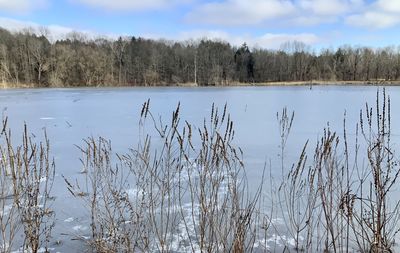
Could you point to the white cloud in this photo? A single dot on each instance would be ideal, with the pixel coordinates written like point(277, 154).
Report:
point(240, 12)
point(52, 32)
point(203, 34)
point(378, 15)
point(15, 25)
point(21, 6)
point(328, 7)
point(389, 5)
point(128, 5)
point(315, 12)
point(310, 20)
point(268, 40)
point(252, 12)
point(374, 19)
point(276, 40)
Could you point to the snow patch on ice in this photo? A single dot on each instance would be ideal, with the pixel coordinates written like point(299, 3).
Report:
point(276, 241)
point(6, 210)
point(42, 179)
point(79, 228)
point(277, 221)
point(41, 250)
point(68, 220)
point(132, 192)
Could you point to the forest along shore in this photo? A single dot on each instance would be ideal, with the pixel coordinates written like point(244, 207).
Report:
point(29, 59)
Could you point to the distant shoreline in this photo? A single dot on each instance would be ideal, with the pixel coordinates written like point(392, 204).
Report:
point(323, 83)
point(233, 84)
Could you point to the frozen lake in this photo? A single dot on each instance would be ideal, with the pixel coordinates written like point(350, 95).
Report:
point(70, 115)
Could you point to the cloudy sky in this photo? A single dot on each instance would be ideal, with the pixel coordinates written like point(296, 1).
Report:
point(262, 23)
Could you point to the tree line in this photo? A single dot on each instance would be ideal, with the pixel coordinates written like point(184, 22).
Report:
point(31, 58)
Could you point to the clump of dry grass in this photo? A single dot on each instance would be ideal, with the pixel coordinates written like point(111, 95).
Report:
point(8, 212)
point(27, 174)
point(335, 204)
point(187, 194)
point(296, 191)
point(106, 195)
point(375, 208)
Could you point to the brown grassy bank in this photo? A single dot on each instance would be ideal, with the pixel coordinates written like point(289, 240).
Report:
point(233, 84)
point(323, 82)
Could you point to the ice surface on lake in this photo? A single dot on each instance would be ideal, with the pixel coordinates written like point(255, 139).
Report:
point(69, 115)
